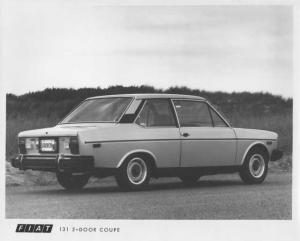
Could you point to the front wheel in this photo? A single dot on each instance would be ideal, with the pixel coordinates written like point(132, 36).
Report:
point(134, 174)
point(72, 182)
point(255, 167)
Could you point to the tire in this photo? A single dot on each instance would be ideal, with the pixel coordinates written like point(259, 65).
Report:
point(134, 174)
point(255, 167)
point(189, 179)
point(72, 182)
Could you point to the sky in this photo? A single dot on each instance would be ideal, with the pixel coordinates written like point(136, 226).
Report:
point(214, 48)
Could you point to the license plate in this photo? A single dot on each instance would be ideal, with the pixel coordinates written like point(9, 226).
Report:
point(48, 145)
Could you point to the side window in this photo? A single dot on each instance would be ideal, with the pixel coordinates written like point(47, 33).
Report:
point(156, 112)
point(132, 111)
point(193, 113)
point(218, 122)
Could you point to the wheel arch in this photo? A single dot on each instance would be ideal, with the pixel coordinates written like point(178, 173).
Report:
point(254, 145)
point(150, 156)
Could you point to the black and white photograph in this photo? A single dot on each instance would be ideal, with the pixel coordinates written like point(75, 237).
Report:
point(120, 118)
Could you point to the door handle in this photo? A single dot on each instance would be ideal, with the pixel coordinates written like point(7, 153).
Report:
point(184, 134)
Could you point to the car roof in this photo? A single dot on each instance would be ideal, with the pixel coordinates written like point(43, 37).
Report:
point(151, 96)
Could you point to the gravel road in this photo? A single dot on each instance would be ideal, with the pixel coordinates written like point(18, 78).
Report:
point(214, 197)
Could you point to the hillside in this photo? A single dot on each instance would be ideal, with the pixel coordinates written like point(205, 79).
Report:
point(244, 109)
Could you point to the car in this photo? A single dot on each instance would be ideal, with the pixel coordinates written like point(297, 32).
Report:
point(135, 137)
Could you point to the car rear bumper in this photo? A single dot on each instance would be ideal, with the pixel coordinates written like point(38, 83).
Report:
point(54, 163)
point(276, 155)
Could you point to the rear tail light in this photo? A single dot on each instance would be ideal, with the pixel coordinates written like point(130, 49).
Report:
point(22, 145)
point(74, 145)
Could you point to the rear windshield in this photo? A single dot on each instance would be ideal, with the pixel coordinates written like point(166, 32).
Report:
point(99, 110)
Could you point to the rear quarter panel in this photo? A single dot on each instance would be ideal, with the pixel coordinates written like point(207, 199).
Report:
point(122, 139)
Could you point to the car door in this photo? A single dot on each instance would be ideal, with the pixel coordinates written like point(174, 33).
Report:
point(206, 139)
point(159, 131)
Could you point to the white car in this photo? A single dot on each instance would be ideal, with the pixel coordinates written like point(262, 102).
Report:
point(138, 136)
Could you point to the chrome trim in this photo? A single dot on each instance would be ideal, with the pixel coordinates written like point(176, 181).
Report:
point(157, 127)
point(114, 122)
point(42, 157)
point(133, 107)
point(149, 96)
point(211, 106)
point(174, 109)
point(138, 140)
point(59, 157)
point(130, 103)
point(48, 136)
point(178, 139)
point(137, 116)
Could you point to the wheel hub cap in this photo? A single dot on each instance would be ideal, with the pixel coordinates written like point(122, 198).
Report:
point(137, 171)
point(257, 165)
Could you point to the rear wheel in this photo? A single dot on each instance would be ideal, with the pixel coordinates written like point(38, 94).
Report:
point(255, 167)
point(189, 179)
point(134, 174)
point(72, 182)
